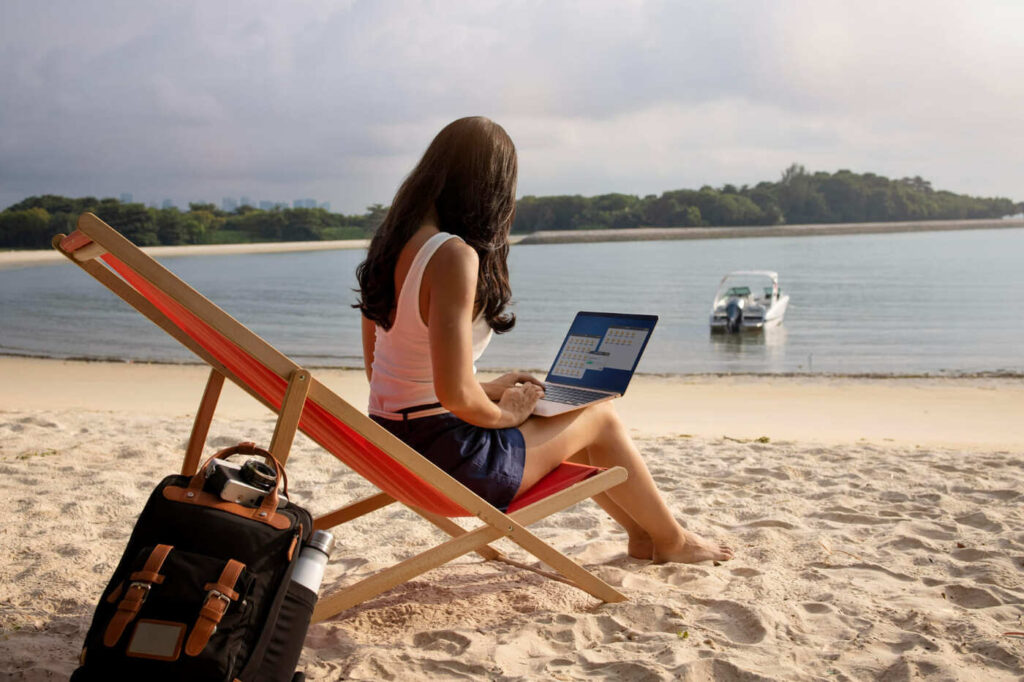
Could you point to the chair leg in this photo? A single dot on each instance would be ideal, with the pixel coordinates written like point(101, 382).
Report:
point(201, 425)
point(375, 502)
point(576, 574)
point(382, 581)
point(288, 418)
point(470, 541)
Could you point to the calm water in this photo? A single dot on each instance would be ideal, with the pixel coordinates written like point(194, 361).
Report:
point(917, 303)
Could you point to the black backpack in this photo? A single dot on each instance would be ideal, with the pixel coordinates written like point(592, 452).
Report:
point(203, 591)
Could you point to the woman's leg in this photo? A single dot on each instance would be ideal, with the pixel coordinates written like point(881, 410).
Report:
point(599, 433)
point(640, 545)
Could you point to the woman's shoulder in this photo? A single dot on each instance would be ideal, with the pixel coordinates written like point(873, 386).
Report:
point(452, 271)
point(455, 253)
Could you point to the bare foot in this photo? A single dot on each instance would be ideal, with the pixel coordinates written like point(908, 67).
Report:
point(640, 546)
point(691, 549)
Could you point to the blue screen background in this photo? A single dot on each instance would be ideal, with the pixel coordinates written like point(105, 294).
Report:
point(596, 324)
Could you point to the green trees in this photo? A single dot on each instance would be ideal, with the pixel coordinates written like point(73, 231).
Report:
point(798, 197)
point(33, 222)
point(25, 228)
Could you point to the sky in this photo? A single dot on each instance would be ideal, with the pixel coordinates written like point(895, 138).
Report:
point(336, 100)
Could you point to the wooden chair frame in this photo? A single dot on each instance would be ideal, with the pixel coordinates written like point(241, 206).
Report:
point(94, 238)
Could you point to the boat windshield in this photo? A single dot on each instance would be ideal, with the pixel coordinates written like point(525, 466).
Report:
point(744, 285)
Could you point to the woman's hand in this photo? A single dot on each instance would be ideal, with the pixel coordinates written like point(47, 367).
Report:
point(517, 403)
point(496, 388)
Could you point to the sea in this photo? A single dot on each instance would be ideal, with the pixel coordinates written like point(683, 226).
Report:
point(921, 303)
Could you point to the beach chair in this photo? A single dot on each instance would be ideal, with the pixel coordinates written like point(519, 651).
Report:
point(304, 404)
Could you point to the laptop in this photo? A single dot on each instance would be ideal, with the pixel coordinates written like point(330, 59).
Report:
point(596, 361)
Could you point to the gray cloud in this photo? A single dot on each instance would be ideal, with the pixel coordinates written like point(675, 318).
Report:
point(198, 100)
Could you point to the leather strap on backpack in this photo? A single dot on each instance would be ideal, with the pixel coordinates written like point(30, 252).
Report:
point(138, 589)
point(219, 596)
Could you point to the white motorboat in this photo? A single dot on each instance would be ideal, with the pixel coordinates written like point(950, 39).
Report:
point(748, 300)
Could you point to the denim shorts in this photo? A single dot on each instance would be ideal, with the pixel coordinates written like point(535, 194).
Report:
point(487, 461)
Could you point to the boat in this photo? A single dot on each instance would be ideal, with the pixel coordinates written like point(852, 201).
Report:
point(748, 300)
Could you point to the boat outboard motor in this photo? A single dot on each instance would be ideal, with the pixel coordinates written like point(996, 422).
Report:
point(733, 316)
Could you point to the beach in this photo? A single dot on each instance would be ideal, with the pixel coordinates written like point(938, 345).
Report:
point(877, 522)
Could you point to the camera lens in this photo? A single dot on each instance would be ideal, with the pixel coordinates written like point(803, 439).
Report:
point(259, 474)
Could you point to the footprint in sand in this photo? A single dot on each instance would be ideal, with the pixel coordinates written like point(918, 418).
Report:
point(745, 572)
point(816, 608)
point(770, 523)
point(451, 643)
point(129, 452)
point(758, 471)
point(981, 521)
point(905, 543)
point(843, 517)
point(938, 532)
point(906, 669)
point(970, 597)
point(734, 620)
point(39, 421)
point(971, 555)
point(911, 640)
point(713, 669)
point(1001, 495)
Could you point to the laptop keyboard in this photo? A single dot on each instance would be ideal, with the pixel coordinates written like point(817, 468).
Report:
point(570, 396)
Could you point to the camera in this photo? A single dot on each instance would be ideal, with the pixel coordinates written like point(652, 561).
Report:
point(246, 484)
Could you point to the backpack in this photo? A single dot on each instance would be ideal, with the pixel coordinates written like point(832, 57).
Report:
point(203, 590)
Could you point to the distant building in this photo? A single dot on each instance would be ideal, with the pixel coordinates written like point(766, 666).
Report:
point(304, 203)
point(266, 205)
point(126, 197)
point(246, 201)
point(167, 203)
point(228, 205)
point(326, 206)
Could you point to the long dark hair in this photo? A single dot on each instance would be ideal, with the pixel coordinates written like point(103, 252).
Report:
point(468, 173)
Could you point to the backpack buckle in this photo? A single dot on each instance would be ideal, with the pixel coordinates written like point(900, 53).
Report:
point(217, 594)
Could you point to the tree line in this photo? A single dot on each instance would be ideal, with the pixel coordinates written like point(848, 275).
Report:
point(33, 222)
point(798, 197)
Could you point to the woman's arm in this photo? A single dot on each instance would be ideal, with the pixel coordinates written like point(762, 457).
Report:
point(450, 282)
point(369, 343)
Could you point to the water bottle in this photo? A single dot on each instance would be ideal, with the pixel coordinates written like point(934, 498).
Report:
point(309, 568)
point(296, 609)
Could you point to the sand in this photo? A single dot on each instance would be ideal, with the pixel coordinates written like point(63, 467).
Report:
point(34, 257)
point(879, 529)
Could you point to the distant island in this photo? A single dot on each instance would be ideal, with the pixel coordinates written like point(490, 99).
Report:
point(797, 198)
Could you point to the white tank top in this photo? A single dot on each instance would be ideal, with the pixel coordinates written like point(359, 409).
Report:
point(402, 374)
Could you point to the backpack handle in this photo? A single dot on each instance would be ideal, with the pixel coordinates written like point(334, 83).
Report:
point(269, 504)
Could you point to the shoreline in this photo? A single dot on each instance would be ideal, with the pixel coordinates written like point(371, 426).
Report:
point(19, 259)
point(976, 412)
point(754, 231)
point(953, 375)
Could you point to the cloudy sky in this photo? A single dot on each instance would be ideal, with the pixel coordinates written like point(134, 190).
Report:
point(199, 100)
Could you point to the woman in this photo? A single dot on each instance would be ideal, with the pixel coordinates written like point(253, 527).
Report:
point(433, 288)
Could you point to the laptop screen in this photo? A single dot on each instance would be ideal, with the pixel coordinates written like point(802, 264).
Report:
point(602, 350)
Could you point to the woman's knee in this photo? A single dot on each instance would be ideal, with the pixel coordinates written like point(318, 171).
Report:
point(605, 418)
